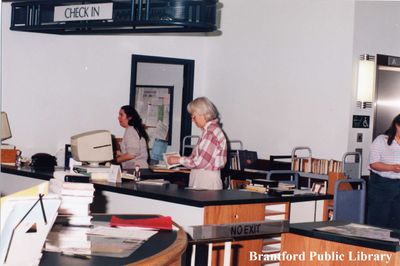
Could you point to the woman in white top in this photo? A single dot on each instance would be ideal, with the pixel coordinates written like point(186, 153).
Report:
point(384, 183)
point(133, 148)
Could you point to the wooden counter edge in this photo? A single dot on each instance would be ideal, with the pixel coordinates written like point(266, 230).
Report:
point(169, 256)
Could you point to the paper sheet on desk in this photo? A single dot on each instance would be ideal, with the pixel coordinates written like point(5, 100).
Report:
point(360, 230)
point(127, 233)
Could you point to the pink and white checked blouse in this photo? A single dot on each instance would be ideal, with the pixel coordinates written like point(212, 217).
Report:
point(210, 152)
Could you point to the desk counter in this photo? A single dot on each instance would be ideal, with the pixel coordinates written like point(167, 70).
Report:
point(323, 248)
point(309, 230)
point(164, 248)
point(191, 207)
point(172, 193)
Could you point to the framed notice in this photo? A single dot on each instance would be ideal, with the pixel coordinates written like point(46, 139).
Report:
point(154, 104)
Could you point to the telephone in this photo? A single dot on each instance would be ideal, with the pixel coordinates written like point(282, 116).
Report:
point(43, 160)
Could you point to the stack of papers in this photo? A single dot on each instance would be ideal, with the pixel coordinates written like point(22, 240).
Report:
point(360, 230)
point(69, 240)
point(75, 201)
point(119, 232)
point(157, 182)
point(117, 242)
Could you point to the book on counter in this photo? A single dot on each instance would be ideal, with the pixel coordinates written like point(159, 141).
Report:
point(75, 200)
point(75, 220)
point(74, 209)
point(156, 182)
point(73, 189)
point(71, 177)
point(162, 222)
point(68, 239)
point(265, 183)
point(168, 154)
point(256, 188)
point(280, 192)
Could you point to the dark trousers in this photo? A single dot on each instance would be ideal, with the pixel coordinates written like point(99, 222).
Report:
point(383, 201)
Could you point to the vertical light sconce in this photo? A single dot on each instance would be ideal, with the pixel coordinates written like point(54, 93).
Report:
point(366, 81)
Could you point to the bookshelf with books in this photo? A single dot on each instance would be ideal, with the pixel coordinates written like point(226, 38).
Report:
point(314, 168)
point(330, 172)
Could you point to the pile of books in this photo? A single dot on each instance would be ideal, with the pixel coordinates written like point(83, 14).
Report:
point(69, 234)
point(75, 202)
point(69, 240)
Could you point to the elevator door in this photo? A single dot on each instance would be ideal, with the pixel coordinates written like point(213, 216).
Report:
point(387, 98)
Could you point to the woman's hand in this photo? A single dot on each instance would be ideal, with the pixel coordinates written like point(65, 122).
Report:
point(124, 157)
point(396, 168)
point(173, 159)
point(383, 167)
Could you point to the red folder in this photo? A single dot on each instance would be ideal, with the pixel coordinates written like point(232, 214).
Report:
point(163, 222)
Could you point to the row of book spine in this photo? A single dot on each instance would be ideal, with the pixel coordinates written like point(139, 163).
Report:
point(234, 161)
point(316, 166)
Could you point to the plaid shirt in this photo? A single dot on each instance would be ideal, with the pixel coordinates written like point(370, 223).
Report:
point(210, 152)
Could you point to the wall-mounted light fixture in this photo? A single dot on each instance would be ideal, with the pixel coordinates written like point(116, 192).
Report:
point(366, 81)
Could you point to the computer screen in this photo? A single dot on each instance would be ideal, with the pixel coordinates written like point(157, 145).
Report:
point(92, 147)
point(159, 148)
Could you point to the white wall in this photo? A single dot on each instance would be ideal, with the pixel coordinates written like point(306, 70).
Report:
point(55, 86)
point(376, 31)
point(280, 74)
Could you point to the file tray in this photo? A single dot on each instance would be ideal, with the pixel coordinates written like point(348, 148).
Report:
point(25, 225)
point(124, 16)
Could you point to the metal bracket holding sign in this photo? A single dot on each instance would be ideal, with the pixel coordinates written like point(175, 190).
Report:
point(360, 121)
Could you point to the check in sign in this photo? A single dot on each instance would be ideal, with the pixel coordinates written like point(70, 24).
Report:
point(83, 12)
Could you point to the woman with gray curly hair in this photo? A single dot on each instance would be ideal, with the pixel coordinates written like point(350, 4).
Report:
point(210, 153)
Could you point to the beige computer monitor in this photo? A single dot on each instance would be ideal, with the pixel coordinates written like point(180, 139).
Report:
point(92, 147)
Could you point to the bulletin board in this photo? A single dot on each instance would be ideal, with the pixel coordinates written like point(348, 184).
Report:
point(154, 104)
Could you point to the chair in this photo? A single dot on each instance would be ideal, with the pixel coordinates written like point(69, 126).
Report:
point(187, 143)
point(349, 200)
point(352, 169)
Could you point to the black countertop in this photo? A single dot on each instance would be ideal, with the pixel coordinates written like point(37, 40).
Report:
point(173, 193)
point(157, 243)
point(309, 230)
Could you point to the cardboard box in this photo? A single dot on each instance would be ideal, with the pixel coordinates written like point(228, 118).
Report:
point(8, 156)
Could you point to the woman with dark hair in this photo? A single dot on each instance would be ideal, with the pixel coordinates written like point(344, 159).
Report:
point(384, 182)
point(133, 148)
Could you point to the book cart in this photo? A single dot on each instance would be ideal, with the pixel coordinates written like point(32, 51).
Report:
point(342, 179)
